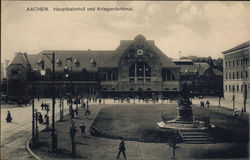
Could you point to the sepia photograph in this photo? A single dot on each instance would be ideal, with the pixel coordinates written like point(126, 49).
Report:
point(132, 80)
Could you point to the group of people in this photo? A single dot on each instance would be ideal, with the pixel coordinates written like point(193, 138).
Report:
point(202, 103)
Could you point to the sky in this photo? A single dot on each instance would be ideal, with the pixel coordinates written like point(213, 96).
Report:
point(194, 28)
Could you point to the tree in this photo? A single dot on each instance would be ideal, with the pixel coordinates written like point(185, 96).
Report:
point(173, 140)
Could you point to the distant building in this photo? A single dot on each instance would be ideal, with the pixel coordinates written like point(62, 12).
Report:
point(236, 74)
point(201, 78)
point(136, 68)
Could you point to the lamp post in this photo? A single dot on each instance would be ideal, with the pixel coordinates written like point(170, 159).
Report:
point(35, 129)
point(51, 57)
point(71, 77)
point(61, 108)
point(233, 98)
point(33, 123)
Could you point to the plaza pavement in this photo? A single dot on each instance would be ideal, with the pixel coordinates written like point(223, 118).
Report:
point(97, 148)
point(14, 135)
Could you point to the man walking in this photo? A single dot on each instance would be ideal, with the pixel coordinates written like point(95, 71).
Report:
point(207, 103)
point(122, 150)
point(82, 127)
point(46, 118)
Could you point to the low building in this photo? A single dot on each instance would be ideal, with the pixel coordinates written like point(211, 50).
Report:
point(236, 74)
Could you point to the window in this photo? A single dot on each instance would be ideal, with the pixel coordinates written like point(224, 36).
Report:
point(241, 61)
point(237, 62)
point(226, 87)
point(104, 77)
point(246, 74)
point(226, 64)
point(233, 63)
point(237, 88)
point(229, 75)
point(229, 88)
point(241, 74)
point(229, 64)
point(109, 75)
point(114, 77)
point(233, 75)
point(241, 88)
point(226, 75)
point(132, 70)
point(140, 69)
point(237, 75)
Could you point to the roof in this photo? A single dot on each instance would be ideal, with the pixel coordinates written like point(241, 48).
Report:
point(182, 60)
point(21, 59)
point(214, 70)
point(189, 66)
point(102, 58)
point(124, 45)
point(84, 58)
point(240, 46)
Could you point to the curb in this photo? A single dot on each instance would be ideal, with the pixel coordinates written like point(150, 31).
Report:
point(30, 151)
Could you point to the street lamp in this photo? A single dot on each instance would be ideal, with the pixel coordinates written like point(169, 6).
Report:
point(67, 76)
point(233, 98)
point(51, 57)
point(35, 132)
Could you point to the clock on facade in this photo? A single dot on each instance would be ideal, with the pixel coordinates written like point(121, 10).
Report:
point(140, 52)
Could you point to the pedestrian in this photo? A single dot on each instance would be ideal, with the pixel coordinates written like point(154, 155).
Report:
point(42, 106)
point(207, 103)
point(122, 150)
point(8, 118)
point(46, 118)
point(82, 103)
point(40, 118)
point(100, 100)
point(82, 128)
point(72, 113)
point(242, 111)
point(201, 104)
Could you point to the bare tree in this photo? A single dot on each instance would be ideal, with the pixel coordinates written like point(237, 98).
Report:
point(173, 139)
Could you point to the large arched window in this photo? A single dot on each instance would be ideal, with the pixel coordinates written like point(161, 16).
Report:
point(140, 69)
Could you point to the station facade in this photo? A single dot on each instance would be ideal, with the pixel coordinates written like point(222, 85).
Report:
point(135, 68)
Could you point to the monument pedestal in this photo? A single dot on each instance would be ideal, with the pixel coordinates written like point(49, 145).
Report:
point(184, 119)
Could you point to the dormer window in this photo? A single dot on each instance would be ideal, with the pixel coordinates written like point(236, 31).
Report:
point(76, 62)
point(58, 62)
point(93, 62)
